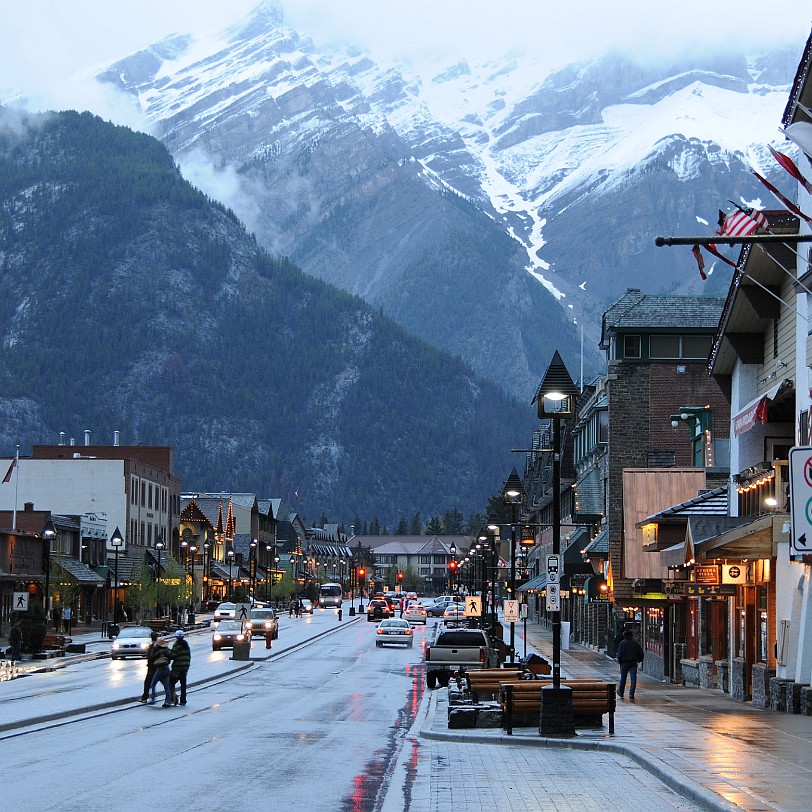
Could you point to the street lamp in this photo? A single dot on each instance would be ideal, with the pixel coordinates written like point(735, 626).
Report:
point(159, 545)
point(206, 547)
point(230, 557)
point(493, 529)
point(192, 552)
point(513, 494)
point(556, 400)
point(49, 534)
point(116, 542)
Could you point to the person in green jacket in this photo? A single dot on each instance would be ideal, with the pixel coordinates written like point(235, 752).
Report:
point(181, 656)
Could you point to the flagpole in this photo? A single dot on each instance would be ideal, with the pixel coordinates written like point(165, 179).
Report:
point(16, 487)
point(744, 239)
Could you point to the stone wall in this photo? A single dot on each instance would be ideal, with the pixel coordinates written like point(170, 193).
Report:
point(723, 676)
point(680, 650)
point(762, 677)
point(738, 680)
point(690, 672)
point(706, 678)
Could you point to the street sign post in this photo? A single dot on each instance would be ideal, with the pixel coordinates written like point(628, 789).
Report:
point(800, 484)
point(511, 611)
point(553, 583)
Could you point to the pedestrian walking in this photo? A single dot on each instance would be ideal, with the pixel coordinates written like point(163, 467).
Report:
point(150, 668)
point(67, 616)
point(629, 655)
point(57, 615)
point(160, 661)
point(292, 607)
point(15, 637)
point(181, 656)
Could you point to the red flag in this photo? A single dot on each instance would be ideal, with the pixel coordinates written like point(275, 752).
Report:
point(7, 477)
point(712, 249)
point(700, 262)
point(790, 166)
point(789, 205)
point(741, 222)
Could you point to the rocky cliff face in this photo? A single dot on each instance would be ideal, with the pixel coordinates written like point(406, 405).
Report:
point(486, 208)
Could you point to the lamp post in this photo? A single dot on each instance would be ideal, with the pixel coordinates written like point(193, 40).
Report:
point(252, 569)
point(49, 534)
point(116, 542)
point(513, 494)
point(556, 400)
point(230, 557)
point(159, 545)
point(205, 588)
point(192, 553)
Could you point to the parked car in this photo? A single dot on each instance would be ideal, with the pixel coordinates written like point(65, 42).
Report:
point(131, 641)
point(415, 613)
point(378, 609)
point(225, 611)
point(226, 634)
point(262, 621)
point(394, 630)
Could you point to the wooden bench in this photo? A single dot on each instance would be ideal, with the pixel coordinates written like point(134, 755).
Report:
point(487, 680)
point(161, 625)
point(53, 645)
point(521, 701)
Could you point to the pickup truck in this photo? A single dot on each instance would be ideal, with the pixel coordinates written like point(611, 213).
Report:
point(453, 649)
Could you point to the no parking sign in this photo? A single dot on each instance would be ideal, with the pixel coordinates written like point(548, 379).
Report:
point(800, 479)
point(553, 583)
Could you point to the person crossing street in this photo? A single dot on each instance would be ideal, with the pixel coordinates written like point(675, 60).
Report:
point(181, 656)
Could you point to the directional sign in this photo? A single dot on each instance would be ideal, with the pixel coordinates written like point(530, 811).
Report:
point(473, 606)
point(800, 484)
point(511, 611)
point(553, 583)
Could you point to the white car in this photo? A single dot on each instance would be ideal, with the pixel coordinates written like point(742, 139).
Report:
point(394, 630)
point(225, 611)
point(131, 641)
point(415, 613)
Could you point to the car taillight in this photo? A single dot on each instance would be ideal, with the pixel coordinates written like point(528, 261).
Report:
point(481, 654)
point(428, 653)
point(408, 631)
point(379, 631)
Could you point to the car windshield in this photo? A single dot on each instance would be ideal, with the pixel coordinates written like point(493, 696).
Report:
point(394, 624)
point(229, 626)
point(227, 607)
point(262, 614)
point(135, 631)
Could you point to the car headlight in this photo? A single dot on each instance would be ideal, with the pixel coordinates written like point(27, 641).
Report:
point(145, 645)
point(268, 625)
point(217, 637)
point(240, 637)
point(116, 646)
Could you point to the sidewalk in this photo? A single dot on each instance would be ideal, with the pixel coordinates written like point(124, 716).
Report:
point(719, 753)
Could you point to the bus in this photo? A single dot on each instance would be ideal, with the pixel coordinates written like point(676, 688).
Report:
point(329, 596)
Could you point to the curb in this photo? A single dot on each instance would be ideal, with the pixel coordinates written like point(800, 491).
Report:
point(673, 779)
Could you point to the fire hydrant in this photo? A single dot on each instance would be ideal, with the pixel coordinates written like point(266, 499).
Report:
point(268, 638)
point(339, 613)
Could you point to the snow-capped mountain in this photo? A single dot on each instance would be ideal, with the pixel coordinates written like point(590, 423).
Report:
point(484, 207)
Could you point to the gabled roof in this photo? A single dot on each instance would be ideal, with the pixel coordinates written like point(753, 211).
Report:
point(411, 545)
point(636, 310)
point(801, 89)
point(282, 512)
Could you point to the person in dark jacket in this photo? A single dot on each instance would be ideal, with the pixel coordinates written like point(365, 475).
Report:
point(161, 660)
point(150, 668)
point(181, 656)
point(15, 637)
point(629, 654)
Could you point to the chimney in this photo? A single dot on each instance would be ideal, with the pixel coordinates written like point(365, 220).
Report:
point(28, 506)
point(61, 438)
point(73, 441)
point(87, 436)
point(116, 438)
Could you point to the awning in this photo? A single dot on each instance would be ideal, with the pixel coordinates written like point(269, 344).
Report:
point(756, 410)
point(534, 584)
point(80, 572)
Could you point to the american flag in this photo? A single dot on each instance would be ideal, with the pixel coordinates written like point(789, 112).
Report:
point(741, 222)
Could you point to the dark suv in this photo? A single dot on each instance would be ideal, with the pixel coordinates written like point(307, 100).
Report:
point(378, 609)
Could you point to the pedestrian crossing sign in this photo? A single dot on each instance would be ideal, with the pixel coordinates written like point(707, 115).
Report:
point(20, 602)
point(473, 605)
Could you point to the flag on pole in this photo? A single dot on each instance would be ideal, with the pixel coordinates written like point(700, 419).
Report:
point(712, 249)
point(7, 477)
point(788, 204)
point(700, 262)
point(800, 133)
point(740, 223)
point(791, 167)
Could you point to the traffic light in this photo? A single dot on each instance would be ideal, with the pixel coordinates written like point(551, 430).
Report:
point(452, 565)
point(362, 573)
point(400, 576)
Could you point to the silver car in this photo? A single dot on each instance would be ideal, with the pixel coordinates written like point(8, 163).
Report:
point(394, 630)
point(131, 641)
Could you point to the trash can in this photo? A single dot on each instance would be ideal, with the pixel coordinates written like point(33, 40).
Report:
point(191, 618)
point(242, 649)
point(113, 630)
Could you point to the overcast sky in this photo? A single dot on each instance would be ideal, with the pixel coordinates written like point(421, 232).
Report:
point(45, 44)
